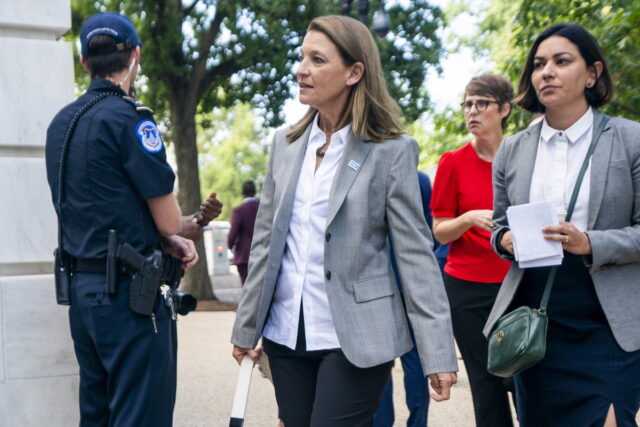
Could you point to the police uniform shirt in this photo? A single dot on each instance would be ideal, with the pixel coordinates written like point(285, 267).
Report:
point(116, 161)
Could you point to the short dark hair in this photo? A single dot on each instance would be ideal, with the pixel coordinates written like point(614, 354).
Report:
point(249, 188)
point(493, 86)
point(104, 59)
point(597, 95)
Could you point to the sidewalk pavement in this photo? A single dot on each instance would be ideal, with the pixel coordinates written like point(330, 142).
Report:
point(207, 376)
point(227, 287)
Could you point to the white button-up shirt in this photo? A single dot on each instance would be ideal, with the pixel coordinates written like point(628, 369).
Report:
point(302, 275)
point(558, 161)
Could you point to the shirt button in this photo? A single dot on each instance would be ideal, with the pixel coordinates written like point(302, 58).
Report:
point(327, 236)
point(328, 275)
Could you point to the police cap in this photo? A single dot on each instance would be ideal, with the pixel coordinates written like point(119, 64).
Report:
point(115, 25)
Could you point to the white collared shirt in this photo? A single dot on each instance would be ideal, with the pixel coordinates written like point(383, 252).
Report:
point(558, 161)
point(302, 275)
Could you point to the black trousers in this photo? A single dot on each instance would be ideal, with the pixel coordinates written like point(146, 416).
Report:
point(471, 304)
point(127, 369)
point(322, 388)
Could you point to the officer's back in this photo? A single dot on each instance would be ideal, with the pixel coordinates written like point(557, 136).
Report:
point(109, 172)
point(112, 190)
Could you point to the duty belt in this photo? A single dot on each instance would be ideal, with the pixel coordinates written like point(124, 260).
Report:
point(143, 289)
point(90, 265)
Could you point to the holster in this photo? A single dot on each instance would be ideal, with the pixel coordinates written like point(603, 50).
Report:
point(145, 283)
point(149, 273)
point(62, 274)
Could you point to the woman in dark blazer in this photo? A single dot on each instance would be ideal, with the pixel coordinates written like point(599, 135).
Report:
point(320, 288)
point(590, 373)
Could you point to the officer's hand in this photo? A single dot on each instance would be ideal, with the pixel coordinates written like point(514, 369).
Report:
point(209, 209)
point(239, 352)
point(181, 248)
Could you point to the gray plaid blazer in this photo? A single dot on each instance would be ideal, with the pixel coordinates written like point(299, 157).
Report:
point(613, 223)
point(366, 203)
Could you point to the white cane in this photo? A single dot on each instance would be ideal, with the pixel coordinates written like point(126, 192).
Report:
point(242, 392)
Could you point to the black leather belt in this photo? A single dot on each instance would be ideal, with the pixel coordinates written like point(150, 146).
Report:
point(90, 265)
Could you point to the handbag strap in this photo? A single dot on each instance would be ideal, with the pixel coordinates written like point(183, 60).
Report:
point(572, 204)
point(63, 154)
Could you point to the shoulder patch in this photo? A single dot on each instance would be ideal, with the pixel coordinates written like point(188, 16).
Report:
point(149, 136)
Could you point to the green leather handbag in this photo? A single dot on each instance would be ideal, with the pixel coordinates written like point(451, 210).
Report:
point(519, 339)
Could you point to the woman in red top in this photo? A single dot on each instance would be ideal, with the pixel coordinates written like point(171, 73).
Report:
point(462, 205)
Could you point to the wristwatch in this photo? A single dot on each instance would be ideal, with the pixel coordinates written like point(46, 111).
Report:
point(198, 221)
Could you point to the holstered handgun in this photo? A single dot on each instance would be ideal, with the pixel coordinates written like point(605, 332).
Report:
point(62, 274)
point(145, 282)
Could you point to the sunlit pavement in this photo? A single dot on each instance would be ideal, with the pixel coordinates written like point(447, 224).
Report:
point(207, 376)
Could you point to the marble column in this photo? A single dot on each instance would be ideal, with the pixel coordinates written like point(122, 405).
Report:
point(38, 370)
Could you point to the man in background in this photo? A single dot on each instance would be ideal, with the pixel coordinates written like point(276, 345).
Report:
point(243, 218)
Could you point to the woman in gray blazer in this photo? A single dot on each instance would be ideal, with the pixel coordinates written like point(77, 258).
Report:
point(590, 373)
point(320, 288)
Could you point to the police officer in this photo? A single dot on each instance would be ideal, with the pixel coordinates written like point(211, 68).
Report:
point(115, 176)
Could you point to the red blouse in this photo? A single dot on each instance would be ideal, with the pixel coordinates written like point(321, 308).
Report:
point(462, 184)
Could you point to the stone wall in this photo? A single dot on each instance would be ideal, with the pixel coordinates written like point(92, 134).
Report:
point(38, 370)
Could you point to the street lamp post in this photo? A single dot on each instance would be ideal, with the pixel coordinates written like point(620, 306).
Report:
point(381, 23)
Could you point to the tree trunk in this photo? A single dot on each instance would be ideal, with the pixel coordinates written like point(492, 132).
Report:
point(197, 280)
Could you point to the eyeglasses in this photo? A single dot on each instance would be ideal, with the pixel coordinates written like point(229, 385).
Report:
point(481, 104)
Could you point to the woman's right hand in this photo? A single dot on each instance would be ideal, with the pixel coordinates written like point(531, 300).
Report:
point(481, 218)
point(447, 229)
point(507, 242)
point(239, 352)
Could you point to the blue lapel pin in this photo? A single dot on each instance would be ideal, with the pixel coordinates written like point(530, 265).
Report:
point(354, 165)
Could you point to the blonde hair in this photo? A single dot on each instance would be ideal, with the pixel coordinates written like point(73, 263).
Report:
point(372, 112)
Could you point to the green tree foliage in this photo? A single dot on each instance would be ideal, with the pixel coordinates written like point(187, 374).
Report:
point(509, 29)
point(446, 132)
point(232, 153)
point(408, 52)
point(199, 55)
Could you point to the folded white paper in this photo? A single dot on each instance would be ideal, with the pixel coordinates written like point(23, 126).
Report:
point(531, 249)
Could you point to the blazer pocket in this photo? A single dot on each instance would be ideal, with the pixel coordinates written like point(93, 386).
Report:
point(373, 288)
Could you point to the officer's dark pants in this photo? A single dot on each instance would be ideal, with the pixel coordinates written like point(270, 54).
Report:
point(127, 370)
